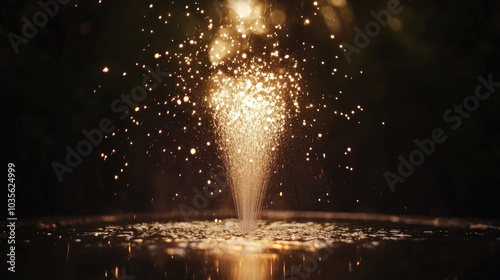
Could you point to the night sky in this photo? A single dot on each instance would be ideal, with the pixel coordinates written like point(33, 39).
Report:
point(408, 83)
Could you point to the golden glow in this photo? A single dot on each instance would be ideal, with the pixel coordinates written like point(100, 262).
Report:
point(245, 17)
point(338, 3)
point(242, 9)
point(246, 12)
point(249, 266)
point(337, 15)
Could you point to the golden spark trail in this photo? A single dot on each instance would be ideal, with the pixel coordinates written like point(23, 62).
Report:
point(251, 96)
point(250, 113)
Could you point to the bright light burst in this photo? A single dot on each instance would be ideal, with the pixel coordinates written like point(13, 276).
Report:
point(250, 111)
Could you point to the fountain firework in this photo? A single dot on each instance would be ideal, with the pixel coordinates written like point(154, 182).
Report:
point(249, 102)
point(250, 112)
point(236, 71)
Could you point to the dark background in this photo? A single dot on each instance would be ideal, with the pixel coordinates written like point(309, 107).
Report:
point(410, 77)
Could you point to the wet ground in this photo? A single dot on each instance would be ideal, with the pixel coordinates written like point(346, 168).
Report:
point(307, 246)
